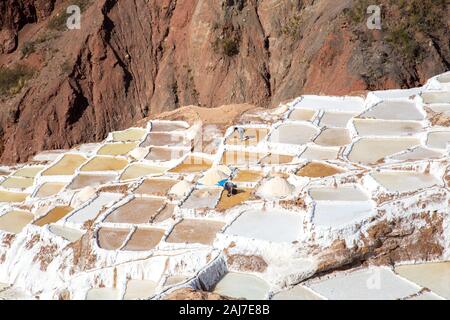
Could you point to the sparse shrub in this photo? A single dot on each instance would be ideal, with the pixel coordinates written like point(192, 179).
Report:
point(28, 48)
point(292, 28)
point(66, 67)
point(228, 46)
point(12, 80)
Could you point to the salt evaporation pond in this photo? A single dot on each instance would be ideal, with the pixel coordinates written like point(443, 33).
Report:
point(195, 231)
point(67, 233)
point(103, 294)
point(405, 181)
point(90, 180)
point(116, 149)
point(434, 276)
point(14, 221)
point(104, 163)
point(333, 137)
point(17, 183)
point(298, 292)
point(137, 170)
point(92, 209)
point(373, 127)
point(12, 197)
point(254, 136)
point(372, 150)
point(241, 285)
point(336, 119)
point(436, 97)
point(54, 215)
point(314, 152)
point(137, 211)
point(168, 126)
point(65, 166)
point(144, 239)
point(48, 189)
point(139, 289)
point(394, 110)
point(417, 153)
point(302, 114)
point(28, 172)
point(131, 134)
point(161, 139)
point(438, 139)
point(275, 226)
point(203, 198)
point(156, 187)
point(111, 238)
point(368, 284)
point(293, 133)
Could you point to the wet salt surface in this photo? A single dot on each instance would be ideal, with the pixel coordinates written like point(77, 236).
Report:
point(139, 289)
point(336, 214)
point(275, 226)
point(65, 232)
point(293, 133)
point(394, 110)
point(368, 284)
point(240, 285)
point(371, 127)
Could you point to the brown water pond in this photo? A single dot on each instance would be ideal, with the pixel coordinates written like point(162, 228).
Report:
point(195, 231)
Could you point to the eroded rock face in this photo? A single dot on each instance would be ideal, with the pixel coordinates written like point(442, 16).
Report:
point(128, 62)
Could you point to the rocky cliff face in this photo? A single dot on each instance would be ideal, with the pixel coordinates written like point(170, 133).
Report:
point(135, 58)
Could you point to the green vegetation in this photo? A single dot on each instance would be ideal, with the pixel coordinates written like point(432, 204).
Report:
point(58, 21)
point(30, 47)
point(12, 80)
point(292, 28)
point(406, 24)
point(228, 46)
point(66, 67)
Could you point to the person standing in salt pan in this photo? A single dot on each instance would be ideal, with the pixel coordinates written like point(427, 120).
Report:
point(241, 133)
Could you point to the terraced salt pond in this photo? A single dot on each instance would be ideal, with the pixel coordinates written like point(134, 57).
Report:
point(254, 136)
point(394, 110)
point(168, 126)
point(67, 233)
point(28, 172)
point(48, 189)
point(162, 139)
point(366, 284)
point(405, 181)
point(12, 197)
point(434, 276)
point(240, 285)
point(333, 137)
point(144, 239)
point(155, 186)
point(336, 119)
point(240, 158)
point(103, 294)
point(139, 289)
point(302, 114)
point(17, 183)
point(373, 150)
point(91, 210)
point(66, 165)
point(192, 164)
point(195, 231)
point(274, 226)
point(298, 292)
point(203, 198)
point(138, 170)
point(343, 104)
point(83, 180)
point(165, 154)
point(54, 215)
point(436, 97)
point(318, 170)
point(373, 127)
point(137, 211)
point(438, 139)
point(14, 221)
point(418, 153)
point(335, 207)
point(116, 149)
point(112, 238)
point(104, 163)
point(293, 133)
point(314, 152)
point(131, 134)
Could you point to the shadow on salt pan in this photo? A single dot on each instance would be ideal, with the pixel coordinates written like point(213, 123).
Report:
point(275, 226)
point(241, 285)
point(369, 284)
